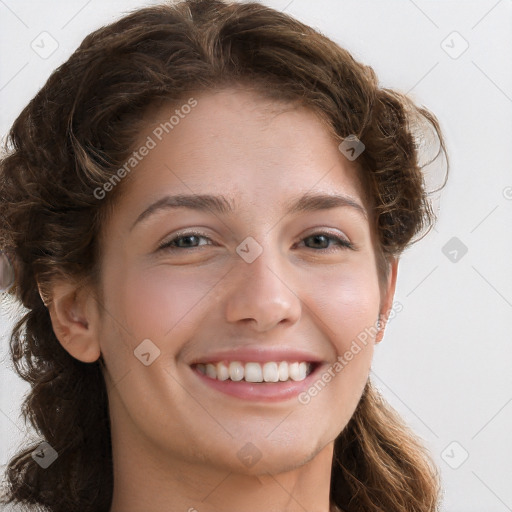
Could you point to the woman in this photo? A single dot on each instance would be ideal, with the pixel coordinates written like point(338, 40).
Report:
point(205, 208)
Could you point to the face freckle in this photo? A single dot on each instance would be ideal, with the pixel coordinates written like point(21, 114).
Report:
point(252, 279)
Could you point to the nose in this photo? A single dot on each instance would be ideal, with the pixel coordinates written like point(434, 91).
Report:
point(263, 293)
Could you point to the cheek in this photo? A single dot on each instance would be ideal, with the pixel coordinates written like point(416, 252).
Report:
point(165, 306)
point(346, 307)
point(158, 304)
point(346, 304)
point(161, 303)
point(346, 300)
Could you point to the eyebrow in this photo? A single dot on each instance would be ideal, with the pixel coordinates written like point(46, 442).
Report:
point(223, 205)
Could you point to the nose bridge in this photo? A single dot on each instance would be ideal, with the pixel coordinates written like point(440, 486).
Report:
point(263, 290)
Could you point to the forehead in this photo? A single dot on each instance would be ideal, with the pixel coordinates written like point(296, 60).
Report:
point(235, 140)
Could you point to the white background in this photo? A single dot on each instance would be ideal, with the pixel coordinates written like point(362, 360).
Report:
point(445, 362)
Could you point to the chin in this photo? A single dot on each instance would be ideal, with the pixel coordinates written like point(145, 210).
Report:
point(263, 456)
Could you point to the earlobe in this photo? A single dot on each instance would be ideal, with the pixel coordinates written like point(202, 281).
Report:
point(74, 318)
point(387, 301)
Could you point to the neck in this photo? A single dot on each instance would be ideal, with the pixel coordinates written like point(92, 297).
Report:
point(147, 480)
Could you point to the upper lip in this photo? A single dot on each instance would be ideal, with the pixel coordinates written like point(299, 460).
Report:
point(258, 355)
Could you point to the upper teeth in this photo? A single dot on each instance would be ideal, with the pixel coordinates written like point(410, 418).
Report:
point(255, 372)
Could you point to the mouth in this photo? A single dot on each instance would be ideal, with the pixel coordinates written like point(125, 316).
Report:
point(260, 381)
point(256, 372)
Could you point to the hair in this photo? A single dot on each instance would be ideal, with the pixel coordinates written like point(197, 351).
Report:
point(82, 126)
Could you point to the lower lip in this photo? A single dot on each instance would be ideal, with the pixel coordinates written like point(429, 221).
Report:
point(260, 391)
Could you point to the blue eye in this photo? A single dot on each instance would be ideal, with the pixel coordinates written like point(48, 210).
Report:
point(174, 244)
point(322, 238)
point(326, 237)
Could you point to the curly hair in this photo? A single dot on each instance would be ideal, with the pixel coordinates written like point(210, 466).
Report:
point(75, 134)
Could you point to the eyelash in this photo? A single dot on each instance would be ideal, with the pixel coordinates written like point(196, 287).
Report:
point(341, 242)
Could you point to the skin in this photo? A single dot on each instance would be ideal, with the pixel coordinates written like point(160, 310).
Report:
point(175, 440)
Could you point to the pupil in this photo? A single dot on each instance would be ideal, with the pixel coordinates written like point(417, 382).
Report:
point(188, 238)
point(319, 237)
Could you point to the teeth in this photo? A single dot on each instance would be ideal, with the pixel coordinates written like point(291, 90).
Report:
point(222, 372)
point(255, 372)
point(236, 371)
point(303, 371)
point(211, 371)
point(293, 370)
point(270, 372)
point(298, 371)
point(283, 371)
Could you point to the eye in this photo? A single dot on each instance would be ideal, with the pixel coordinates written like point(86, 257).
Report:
point(323, 239)
point(189, 238)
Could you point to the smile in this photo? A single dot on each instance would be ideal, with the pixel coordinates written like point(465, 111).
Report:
point(270, 371)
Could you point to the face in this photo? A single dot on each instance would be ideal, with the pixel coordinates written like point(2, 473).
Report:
point(252, 277)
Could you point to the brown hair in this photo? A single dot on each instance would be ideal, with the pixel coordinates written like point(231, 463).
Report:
point(81, 127)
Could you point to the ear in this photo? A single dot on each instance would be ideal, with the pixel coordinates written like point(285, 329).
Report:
point(387, 299)
point(75, 319)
